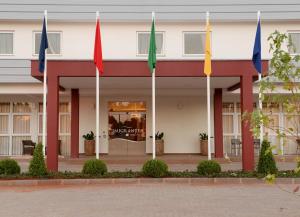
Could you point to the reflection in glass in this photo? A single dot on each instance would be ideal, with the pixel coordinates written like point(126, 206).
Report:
point(127, 120)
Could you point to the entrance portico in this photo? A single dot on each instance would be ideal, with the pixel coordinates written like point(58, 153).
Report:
point(240, 73)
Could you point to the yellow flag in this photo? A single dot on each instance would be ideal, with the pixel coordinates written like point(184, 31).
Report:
point(207, 62)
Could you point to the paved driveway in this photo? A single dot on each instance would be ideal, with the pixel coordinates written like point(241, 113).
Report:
point(165, 200)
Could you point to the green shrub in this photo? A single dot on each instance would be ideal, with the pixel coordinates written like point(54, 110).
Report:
point(297, 170)
point(208, 167)
point(37, 166)
point(266, 163)
point(155, 168)
point(94, 167)
point(9, 167)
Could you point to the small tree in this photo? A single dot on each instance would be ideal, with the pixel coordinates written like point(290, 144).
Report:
point(37, 166)
point(266, 164)
point(283, 76)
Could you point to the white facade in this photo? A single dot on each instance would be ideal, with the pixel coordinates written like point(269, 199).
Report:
point(119, 40)
point(181, 103)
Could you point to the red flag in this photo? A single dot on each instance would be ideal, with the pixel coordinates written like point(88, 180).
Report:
point(98, 49)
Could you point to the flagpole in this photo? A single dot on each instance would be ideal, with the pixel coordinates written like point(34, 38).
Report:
point(208, 105)
point(208, 117)
point(153, 105)
point(261, 134)
point(97, 103)
point(45, 94)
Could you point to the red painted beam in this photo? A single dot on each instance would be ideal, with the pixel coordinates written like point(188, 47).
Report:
point(265, 66)
point(120, 68)
point(75, 123)
point(247, 138)
point(218, 123)
point(52, 122)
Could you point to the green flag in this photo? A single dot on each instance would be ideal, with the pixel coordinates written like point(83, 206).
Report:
point(152, 49)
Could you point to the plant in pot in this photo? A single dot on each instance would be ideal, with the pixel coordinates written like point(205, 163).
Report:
point(89, 143)
point(159, 143)
point(204, 143)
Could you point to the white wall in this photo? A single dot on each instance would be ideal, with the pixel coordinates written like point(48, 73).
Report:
point(180, 118)
point(119, 40)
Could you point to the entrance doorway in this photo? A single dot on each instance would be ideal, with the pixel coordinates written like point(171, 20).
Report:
point(127, 128)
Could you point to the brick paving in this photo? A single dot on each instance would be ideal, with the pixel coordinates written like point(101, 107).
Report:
point(158, 200)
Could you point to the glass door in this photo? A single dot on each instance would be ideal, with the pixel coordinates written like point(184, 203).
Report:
point(127, 128)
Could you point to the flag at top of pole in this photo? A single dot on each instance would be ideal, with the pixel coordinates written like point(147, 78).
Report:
point(43, 69)
point(43, 46)
point(152, 46)
point(99, 70)
point(256, 57)
point(207, 62)
point(152, 66)
point(257, 63)
point(207, 71)
point(98, 47)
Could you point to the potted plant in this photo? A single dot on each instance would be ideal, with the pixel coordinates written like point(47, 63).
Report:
point(89, 143)
point(159, 143)
point(203, 144)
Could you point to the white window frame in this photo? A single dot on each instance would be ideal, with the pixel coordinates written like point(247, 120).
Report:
point(233, 134)
point(13, 39)
point(272, 134)
point(30, 134)
point(8, 134)
point(39, 32)
point(293, 32)
point(59, 119)
point(163, 45)
point(40, 116)
point(284, 123)
point(194, 32)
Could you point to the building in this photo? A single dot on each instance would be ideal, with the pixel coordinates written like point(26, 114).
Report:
point(125, 88)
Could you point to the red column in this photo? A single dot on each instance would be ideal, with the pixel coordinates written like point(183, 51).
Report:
point(218, 123)
point(52, 122)
point(74, 123)
point(247, 138)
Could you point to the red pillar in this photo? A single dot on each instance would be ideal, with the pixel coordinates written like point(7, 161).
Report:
point(218, 123)
point(247, 138)
point(74, 123)
point(52, 122)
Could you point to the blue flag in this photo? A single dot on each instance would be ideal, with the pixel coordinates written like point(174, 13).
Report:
point(256, 58)
point(43, 47)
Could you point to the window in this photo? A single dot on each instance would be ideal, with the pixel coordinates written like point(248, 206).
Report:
point(64, 127)
point(6, 43)
point(4, 128)
point(144, 40)
point(295, 40)
point(231, 113)
point(194, 43)
point(228, 125)
point(21, 119)
point(54, 42)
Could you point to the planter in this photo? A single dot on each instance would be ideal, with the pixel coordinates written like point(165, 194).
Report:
point(89, 147)
point(204, 147)
point(159, 147)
